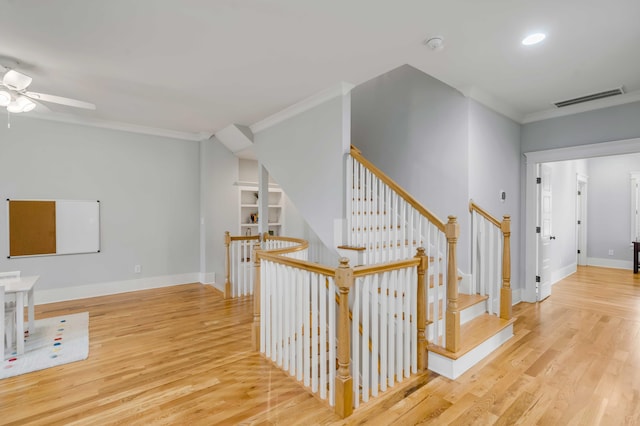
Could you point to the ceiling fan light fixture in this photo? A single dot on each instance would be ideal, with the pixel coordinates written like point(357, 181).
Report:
point(21, 104)
point(29, 105)
point(16, 80)
point(5, 98)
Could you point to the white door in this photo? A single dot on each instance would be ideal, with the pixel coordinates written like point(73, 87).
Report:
point(544, 237)
point(581, 220)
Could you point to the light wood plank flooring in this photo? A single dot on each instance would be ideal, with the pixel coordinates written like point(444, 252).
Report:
point(181, 355)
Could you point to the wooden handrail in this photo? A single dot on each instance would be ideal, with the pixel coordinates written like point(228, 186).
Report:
point(361, 271)
point(273, 256)
point(355, 153)
point(244, 237)
point(482, 212)
point(267, 236)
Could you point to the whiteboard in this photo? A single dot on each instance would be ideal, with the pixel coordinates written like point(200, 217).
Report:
point(77, 227)
point(51, 227)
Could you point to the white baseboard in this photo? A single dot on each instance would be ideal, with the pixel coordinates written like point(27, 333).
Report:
point(516, 296)
point(42, 296)
point(218, 286)
point(610, 263)
point(207, 278)
point(563, 273)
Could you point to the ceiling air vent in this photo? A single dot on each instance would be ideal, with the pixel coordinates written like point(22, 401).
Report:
point(587, 98)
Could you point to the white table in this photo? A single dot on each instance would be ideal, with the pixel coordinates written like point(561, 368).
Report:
point(20, 287)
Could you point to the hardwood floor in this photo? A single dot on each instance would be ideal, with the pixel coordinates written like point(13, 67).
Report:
point(181, 355)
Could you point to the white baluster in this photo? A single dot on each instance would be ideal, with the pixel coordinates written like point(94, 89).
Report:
point(355, 342)
point(413, 281)
point(391, 330)
point(303, 282)
point(286, 321)
point(375, 333)
point(398, 324)
point(489, 259)
point(408, 299)
point(332, 341)
point(366, 289)
point(314, 333)
point(323, 337)
point(384, 334)
point(474, 252)
point(264, 291)
point(306, 315)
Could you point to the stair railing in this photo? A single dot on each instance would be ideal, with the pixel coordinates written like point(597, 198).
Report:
point(491, 259)
point(390, 224)
point(239, 260)
point(301, 328)
point(239, 265)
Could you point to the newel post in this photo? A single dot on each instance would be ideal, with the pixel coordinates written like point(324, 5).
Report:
point(452, 231)
point(422, 309)
point(344, 381)
point(227, 267)
point(255, 326)
point(505, 291)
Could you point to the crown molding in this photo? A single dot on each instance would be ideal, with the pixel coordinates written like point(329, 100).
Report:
point(340, 89)
point(625, 98)
point(601, 149)
point(114, 125)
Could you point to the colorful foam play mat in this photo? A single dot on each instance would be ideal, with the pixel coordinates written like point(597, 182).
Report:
point(54, 341)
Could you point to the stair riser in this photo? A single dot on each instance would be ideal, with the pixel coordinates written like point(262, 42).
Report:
point(452, 369)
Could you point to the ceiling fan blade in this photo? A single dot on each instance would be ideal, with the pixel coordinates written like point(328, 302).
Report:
point(40, 107)
point(15, 80)
point(59, 100)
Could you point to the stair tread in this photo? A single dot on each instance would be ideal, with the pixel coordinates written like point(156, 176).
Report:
point(467, 300)
point(464, 301)
point(473, 333)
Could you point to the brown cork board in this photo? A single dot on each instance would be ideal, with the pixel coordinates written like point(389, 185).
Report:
point(32, 227)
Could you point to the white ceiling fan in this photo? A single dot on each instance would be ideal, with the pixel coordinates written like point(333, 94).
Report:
point(14, 94)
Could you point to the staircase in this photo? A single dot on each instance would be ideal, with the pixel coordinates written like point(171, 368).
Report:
point(400, 306)
point(386, 223)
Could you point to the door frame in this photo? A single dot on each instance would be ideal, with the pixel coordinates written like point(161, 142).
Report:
point(582, 186)
point(531, 159)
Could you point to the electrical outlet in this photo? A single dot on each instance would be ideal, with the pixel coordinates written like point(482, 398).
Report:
point(610, 252)
point(137, 269)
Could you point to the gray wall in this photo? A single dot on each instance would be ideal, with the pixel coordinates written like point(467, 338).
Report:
point(148, 189)
point(609, 206)
point(220, 206)
point(603, 125)
point(415, 129)
point(494, 166)
point(305, 155)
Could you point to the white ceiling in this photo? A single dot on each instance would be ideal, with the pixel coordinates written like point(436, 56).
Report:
point(193, 67)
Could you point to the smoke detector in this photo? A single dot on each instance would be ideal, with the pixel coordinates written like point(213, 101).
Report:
point(435, 43)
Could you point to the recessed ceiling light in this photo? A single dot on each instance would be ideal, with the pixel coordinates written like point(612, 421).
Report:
point(533, 39)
